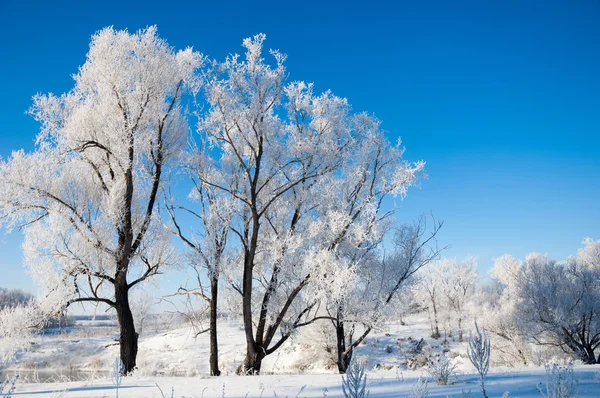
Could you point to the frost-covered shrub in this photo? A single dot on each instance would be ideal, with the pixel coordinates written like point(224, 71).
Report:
point(441, 369)
point(419, 389)
point(354, 384)
point(418, 355)
point(318, 345)
point(560, 382)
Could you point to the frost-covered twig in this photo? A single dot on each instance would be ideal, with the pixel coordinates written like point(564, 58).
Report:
point(117, 374)
point(163, 394)
point(479, 354)
point(354, 385)
point(8, 386)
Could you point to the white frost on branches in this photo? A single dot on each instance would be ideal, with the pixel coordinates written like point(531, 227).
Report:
point(85, 197)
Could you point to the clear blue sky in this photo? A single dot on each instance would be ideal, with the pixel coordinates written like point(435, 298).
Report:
point(500, 98)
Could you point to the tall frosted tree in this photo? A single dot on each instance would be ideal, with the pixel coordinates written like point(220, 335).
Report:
point(208, 250)
point(280, 155)
point(86, 196)
point(458, 283)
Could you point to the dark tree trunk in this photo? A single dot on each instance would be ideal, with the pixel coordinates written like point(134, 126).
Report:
point(460, 331)
point(253, 361)
point(214, 347)
point(128, 338)
point(587, 355)
point(343, 357)
point(580, 347)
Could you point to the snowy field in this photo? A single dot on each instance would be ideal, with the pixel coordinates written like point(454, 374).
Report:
point(520, 383)
point(177, 362)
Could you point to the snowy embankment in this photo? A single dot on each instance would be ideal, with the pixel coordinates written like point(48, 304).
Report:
point(177, 359)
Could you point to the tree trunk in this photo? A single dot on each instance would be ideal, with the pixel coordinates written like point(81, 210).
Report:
point(460, 331)
point(253, 361)
point(587, 355)
point(436, 334)
point(343, 357)
point(214, 347)
point(128, 338)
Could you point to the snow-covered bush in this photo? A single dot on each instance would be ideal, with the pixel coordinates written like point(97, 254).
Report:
point(354, 382)
point(418, 355)
point(441, 369)
point(479, 354)
point(560, 382)
point(17, 324)
point(318, 344)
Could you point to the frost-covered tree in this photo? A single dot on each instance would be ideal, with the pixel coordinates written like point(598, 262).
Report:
point(380, 283)
point(428, 293)
point(559, 303)
point(293, 152)
point(555, 303)
point(209, 252)
point(499, 313)
point(86, 197)
point(141, 308)
point(458, 282)
point(446, 288)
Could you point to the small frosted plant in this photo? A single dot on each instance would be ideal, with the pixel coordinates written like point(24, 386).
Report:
point(117, 375)
point(559, 382)
point(354, 384)
point(7, 388)
point(441, 369)
point(419, 389)
point(479, 354)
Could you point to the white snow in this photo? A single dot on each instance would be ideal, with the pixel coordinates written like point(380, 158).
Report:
point(175, 359)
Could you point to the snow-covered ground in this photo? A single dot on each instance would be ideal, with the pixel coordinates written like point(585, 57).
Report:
point(176, 359)
point(519, 382)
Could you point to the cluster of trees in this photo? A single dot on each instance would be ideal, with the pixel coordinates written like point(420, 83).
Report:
point(545, 302)
point(535, 303)
point(447, 290)
point(13, 297)
point(287, 202)
point(286, 214)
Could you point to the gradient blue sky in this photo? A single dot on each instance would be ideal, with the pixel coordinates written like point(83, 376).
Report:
point(500, 98)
